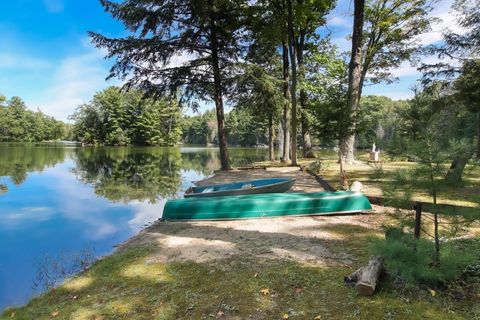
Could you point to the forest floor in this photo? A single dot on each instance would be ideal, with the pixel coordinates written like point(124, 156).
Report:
point(281, 268)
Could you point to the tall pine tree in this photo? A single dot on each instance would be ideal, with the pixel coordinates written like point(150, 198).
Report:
point(205, 33)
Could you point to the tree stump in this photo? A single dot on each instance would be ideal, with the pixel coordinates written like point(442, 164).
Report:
point(365, 279)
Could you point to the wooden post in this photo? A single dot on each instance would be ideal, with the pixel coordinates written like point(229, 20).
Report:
point(418, 219)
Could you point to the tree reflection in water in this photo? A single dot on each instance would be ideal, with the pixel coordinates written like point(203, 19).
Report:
point(17, 160)
point(126, 174)
point(120, 174)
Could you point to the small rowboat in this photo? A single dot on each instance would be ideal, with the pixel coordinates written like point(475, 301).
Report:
point(242, 187)
point(266, 205)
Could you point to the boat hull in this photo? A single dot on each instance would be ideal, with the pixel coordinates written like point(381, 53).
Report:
point(266, 205)
point(273, 185)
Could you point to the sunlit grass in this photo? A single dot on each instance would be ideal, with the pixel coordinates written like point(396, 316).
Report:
point(127, 286)
point(78, 283)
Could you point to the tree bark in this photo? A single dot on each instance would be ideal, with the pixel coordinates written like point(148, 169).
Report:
point(306, 139)
point(218, 95)
point(271, 146)
point(366, 278)
point(347, 143)
point(455, 172)
point(280, 138)
point(293, 61)
point(286, 104)
point(418, 220)
point(478, 135)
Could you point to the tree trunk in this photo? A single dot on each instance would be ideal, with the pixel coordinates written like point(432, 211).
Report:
point(271, 150)
point(286, 104)
point(478, 135)
point(217, 88)
point(280, 138)
point(293, 61)
point(437, 239)
point(366, 278)
point(455, 172)
point(354, 76)
point(435, 221)
point(306, 139)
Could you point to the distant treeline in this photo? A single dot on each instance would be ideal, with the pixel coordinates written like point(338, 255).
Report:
point(115, 117)
point(243, 128)
point(377, 123)
point(17, 123)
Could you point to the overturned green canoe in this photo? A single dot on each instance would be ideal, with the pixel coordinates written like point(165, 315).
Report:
point(265, 205)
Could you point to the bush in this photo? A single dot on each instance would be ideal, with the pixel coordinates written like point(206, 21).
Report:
point(413, 260)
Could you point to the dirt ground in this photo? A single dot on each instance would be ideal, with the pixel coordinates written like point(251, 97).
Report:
point(308, 240)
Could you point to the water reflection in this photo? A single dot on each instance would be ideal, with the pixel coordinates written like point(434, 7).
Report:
point(126, 174)
point(17, 160)
point(64, 200)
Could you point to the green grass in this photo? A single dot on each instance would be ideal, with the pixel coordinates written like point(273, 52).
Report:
point(126, 286)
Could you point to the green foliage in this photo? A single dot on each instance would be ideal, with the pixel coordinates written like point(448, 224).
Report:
point(17, 123)
point(152, 42)
point(389, 30)
point(378, 120)
point(200, 129)
point(467, 85)
point(114, 117)
point(412, 260)
point(243, 126)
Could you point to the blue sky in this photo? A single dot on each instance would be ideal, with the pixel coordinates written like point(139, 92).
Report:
point(47, 59)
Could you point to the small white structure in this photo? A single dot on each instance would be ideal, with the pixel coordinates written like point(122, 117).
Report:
point(374, 154)
point(356, 186)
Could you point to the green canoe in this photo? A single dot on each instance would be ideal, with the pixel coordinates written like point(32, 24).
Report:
point(265, 205)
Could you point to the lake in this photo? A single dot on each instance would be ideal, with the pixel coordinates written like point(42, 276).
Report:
point(63, 206)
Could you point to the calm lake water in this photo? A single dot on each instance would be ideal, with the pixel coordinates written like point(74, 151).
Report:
point(61, 206)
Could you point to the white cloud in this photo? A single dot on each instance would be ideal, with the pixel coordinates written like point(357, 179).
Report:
point(54, 6)
point(74, 81)
point(447, 20)
point(17, 217)
point(339, 21)
point(145, 213)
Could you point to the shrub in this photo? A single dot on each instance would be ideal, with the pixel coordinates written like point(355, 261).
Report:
point(413, 260)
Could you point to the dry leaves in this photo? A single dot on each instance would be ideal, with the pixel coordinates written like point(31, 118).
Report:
point(298, 290)
point(54, 313)
point(265, 291)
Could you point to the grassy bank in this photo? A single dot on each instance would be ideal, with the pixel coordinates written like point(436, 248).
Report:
point(129, 285)
point(376, 177)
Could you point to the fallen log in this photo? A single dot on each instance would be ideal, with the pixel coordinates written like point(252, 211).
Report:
point(365, 279)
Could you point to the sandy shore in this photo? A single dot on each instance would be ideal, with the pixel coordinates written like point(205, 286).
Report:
point(308, 240)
